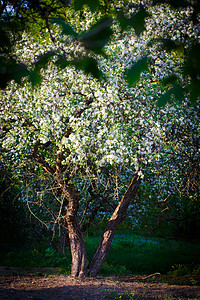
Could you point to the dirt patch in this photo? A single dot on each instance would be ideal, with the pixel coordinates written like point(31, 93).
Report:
point(37, 285)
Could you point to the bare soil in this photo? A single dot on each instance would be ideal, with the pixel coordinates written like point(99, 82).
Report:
point(41, 284)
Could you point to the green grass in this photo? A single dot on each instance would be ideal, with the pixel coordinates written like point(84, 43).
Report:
point(37, 257)
point(128, 255)
point(139, 255)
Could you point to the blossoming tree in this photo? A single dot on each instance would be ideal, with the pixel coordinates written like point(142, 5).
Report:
point(85, 132)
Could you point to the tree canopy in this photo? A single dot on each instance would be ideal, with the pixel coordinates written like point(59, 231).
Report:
point(178, 34)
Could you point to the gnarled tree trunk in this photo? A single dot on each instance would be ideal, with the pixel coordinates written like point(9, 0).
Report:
point(77, 244)
point(109, 232)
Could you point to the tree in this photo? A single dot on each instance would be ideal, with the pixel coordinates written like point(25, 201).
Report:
point(85, 132)
point(172, 182)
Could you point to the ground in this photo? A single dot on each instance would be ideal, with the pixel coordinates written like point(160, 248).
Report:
point(37, 284)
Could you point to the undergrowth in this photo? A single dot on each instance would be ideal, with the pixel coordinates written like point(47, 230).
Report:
point(140, 255)
point(37, 257)
point(128, 255)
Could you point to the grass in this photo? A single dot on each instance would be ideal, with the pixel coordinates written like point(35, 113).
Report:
point(139, 255)
point(38, 257)
point(128, 255)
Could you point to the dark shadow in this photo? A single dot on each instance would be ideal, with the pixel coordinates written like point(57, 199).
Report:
point(96, 290)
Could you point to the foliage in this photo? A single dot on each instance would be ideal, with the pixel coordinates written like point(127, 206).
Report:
point(131, 255)
point(16, 224)
point(94, 39)
point(128, 255)
point(36, 258)
point(15, 18)
point(182, 270)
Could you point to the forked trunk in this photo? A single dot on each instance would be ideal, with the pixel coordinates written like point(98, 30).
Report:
point(109, 232)
point(77, 244)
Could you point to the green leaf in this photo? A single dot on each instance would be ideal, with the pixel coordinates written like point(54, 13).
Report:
point(162, 101)
point(194, 89)
point(169, 45)
point(92, 4)
point(89, 65)
point(169, 80)
point(98, 35)
point(192, 62)
point(173, 3)
point(62, 62)
point(35, 78)
point(66, 28)
point(11, 70)
point(43, 60)
point(123, 21)
point(137, 21)
point(176, 90)
point(41, 63)
point(4, 37)
point(133, 74)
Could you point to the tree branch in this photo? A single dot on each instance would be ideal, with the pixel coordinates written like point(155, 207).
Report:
point(41, 161)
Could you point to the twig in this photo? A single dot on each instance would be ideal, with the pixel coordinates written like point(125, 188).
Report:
point(152, 275)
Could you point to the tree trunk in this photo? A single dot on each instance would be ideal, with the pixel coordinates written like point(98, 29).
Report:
point(77, 244)
point(109, 232)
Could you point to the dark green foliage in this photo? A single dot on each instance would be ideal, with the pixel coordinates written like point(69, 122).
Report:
point(128, 255)
point(21, 16)
point(43, 60)
point(192, 69)
point(41, 63)
point(10, 69)
point(87, 64)
point(37, 257)
point(176, 90)
point(18, 228)
point(66, 27)
point(24, 13)
point(169, 45)
point(136, 254)
point(178, 270)
point(176, 3)
point(97, 36)
point(133, 74)
point(190, 51)
point(11, 212)
point(4, 37)
point(79, 4)
point(169, 80)
point(136, 21)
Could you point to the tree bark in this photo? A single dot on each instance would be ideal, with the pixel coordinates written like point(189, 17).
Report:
point(77, 243)
point(109, 232)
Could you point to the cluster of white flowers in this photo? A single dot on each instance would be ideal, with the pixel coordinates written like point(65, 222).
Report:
point(121, 127)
